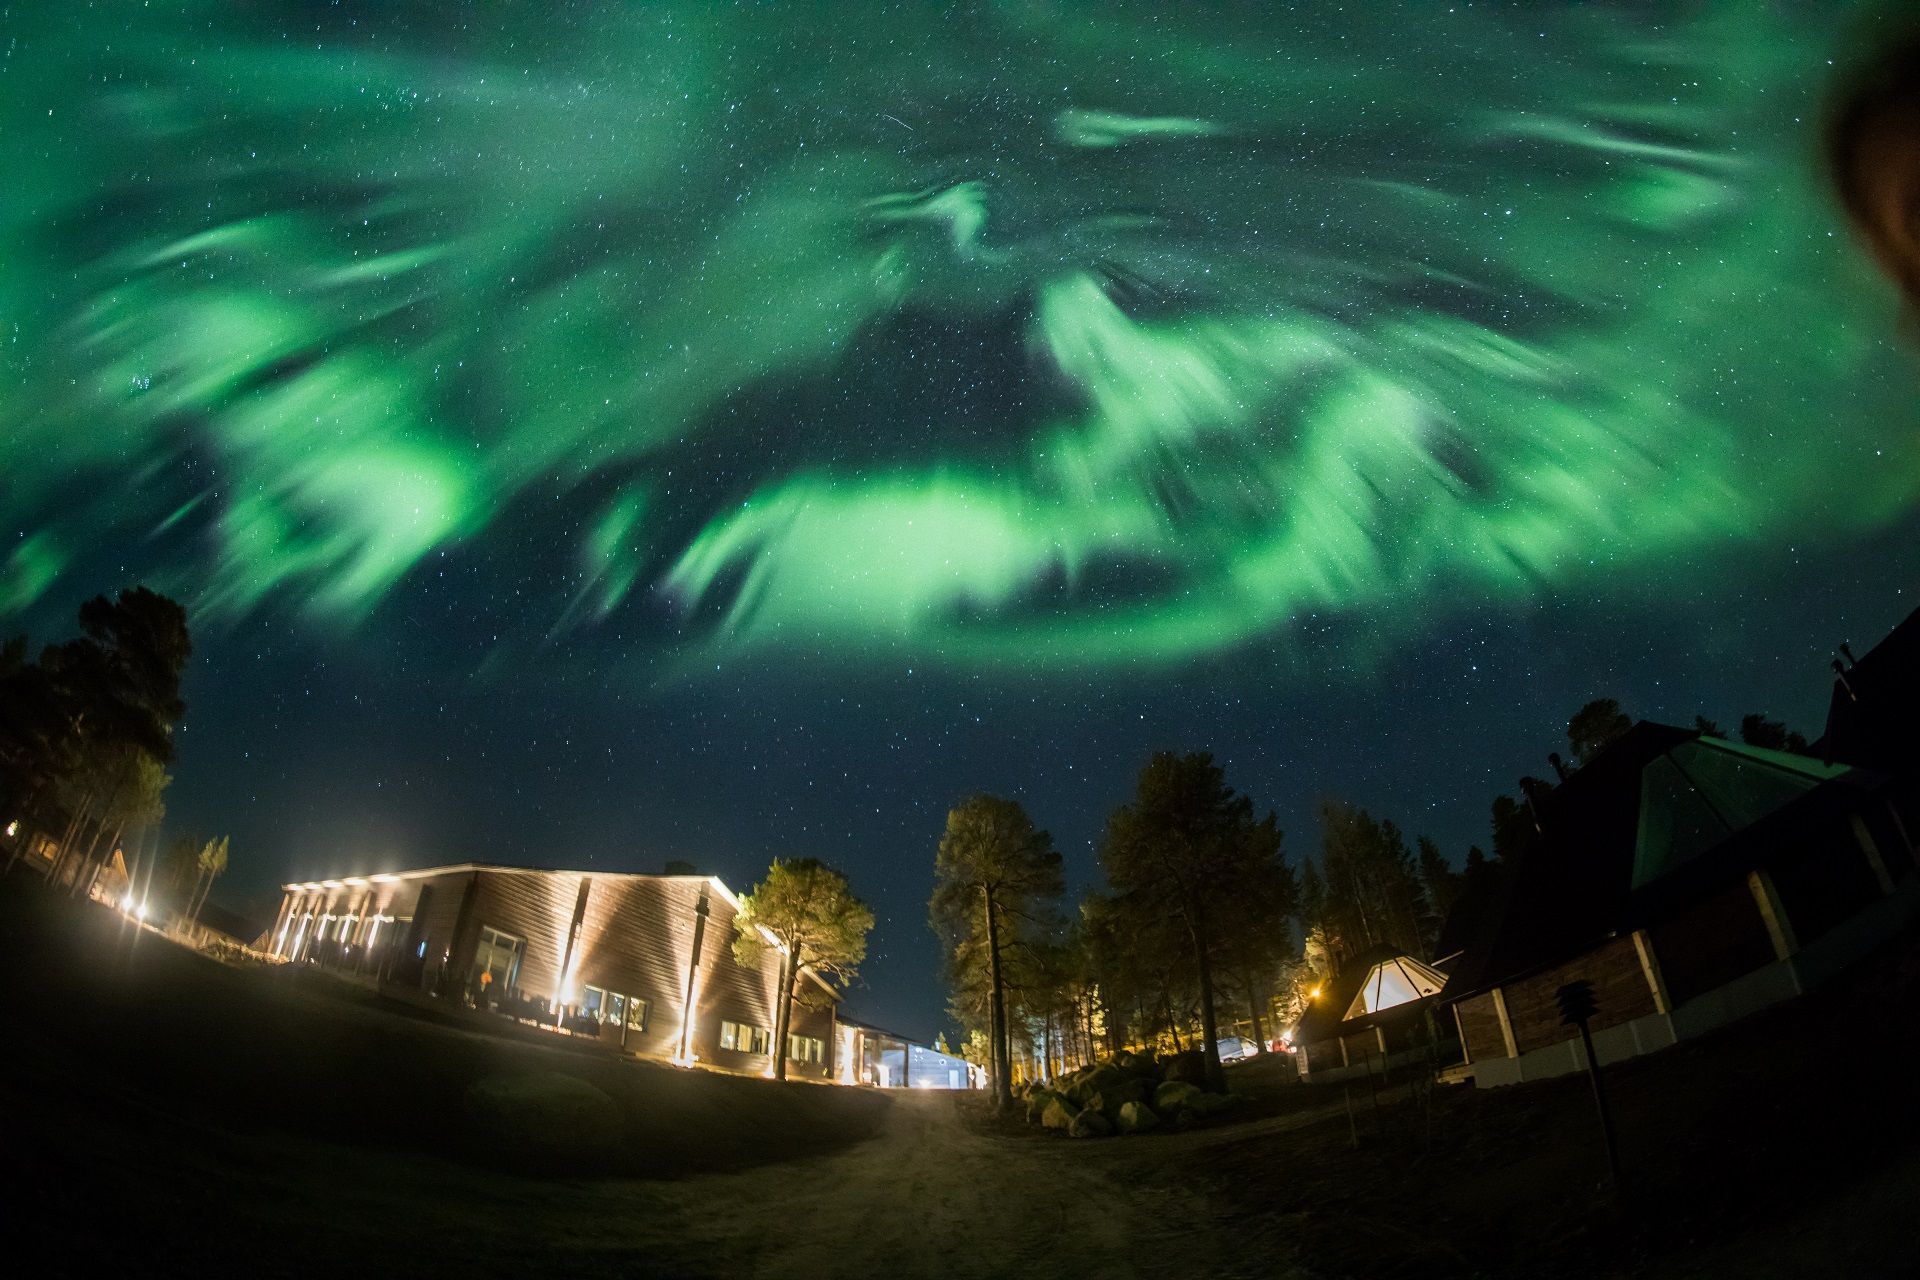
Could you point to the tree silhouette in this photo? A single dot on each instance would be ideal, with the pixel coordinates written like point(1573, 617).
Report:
point(1594, 726)
point(89, 726)
point(1442, 883)
point(810, 913)
point(1756, 730)
point(995, 875)
point(1188, 845)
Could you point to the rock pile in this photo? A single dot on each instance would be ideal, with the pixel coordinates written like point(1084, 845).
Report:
point(1128, 1093)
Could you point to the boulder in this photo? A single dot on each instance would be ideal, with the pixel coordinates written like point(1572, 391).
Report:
point(1117, 1094)
point(1089, 1124)
point(1136, 1117)
point(1189, 1067)
point(1037, 1102)
point(1175, 1095)
point(1103, 1078)
point(1058, 1113)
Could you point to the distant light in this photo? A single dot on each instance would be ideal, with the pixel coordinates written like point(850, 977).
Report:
point(1314, 994)
point(13, 828)
point(126, 903)
point(141, 912)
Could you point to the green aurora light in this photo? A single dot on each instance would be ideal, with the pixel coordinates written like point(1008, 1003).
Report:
point(1311, 314)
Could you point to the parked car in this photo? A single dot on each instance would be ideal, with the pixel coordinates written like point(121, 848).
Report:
point(1234, 1048)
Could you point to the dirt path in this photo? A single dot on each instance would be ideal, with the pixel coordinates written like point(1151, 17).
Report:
point(931, 1195)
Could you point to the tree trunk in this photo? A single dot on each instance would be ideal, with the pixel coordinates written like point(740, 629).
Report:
point(997, 1008)
point(1259, 1026)
point(206, 891)
point(1209, 1027)
point(101, 865)
point(85, 870)
point(67, 837)
point(790, 974)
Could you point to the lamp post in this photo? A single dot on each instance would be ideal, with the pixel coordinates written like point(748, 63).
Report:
point(1577, 1007)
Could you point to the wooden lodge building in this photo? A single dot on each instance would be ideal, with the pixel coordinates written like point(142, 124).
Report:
point(1693, 881)
point(1372, 1017)
point(643, 963)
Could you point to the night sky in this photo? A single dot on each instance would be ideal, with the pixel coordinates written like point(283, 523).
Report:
point(591, 438)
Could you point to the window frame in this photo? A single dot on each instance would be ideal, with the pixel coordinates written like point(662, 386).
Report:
point(516, 950)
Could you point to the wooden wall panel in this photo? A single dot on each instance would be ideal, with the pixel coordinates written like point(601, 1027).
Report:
point(1480, 1025)
point(1711, 942)
point(1619, 987)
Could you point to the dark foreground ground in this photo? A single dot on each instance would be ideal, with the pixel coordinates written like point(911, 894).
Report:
point(164, 1115)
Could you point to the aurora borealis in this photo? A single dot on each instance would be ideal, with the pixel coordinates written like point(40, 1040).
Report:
point(1049, 344)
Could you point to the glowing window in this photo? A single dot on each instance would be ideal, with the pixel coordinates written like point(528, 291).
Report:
point(806, 1049)
point(498, 954)
point(741, 1038)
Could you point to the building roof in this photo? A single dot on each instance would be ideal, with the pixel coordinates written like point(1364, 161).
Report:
point(1660, 817)
point(1376, 972)
point(453, 868)
point(1871, 714)
point(1393, 982)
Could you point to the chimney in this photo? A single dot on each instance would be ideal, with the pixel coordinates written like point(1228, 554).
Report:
point(1846, 651)
point(1840, 674)
point(1559, 765)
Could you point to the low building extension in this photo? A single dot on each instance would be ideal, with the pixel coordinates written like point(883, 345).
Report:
point(1691, 881)
point(886, 1060)
point(642, 963)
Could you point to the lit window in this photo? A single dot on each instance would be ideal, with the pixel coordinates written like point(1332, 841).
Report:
point(806, 1049)
point(498, 954)
point(742, 1038)
point(616, 1008)
point(637, 1012)
point(594, 1005)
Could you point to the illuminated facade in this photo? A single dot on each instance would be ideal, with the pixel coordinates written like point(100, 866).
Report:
point(643, 963)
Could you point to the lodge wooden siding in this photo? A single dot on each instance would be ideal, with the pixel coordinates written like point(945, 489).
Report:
point(1824, 882)
point(434, 923)
point(1711, 942)
point(535, 908)
point(1619, 987)
point(1480, 1028)
point(636, 938)
point(1324, 1055)
point(1361, 1045)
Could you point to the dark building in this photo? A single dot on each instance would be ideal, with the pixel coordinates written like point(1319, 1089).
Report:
point(643, 963)
point(1692, 881)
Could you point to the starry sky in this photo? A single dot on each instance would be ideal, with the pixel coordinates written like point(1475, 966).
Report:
point(592, 436)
